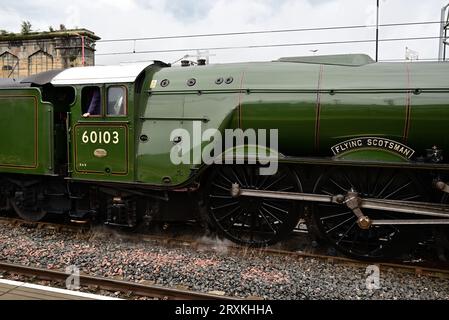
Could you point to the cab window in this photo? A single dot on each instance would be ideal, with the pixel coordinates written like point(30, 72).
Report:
point(91, 101)
point(116, 101)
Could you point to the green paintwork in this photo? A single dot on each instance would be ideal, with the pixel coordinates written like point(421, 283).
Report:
point(314, 107)
point(178, 106)
point(250, 152)
point(350, 60)
point(346, 116)
point(26, 127)
point(315, 103)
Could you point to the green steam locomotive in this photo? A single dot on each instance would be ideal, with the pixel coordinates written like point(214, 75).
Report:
point(356, 149)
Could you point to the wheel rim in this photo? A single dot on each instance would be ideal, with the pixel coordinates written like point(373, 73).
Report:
point(338, 223)
point(252, 221)
point(28, 214)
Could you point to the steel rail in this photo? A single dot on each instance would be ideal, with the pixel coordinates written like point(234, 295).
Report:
point(114, 284)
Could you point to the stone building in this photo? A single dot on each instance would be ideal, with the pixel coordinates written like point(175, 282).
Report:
point(22, 55)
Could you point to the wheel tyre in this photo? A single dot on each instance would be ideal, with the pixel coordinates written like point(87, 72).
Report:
point(26, 214)
point(338, 224)
point(251, 221)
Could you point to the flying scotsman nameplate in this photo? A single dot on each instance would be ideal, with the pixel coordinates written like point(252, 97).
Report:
point(373, 143)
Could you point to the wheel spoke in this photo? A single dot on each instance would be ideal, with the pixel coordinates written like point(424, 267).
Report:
point(347, 231)
point(252, 227)
point(274, 207)
point(245, 181)
point(221, 187)
point(268, 222)
point(327, 192)
point(264, 180)
point(376, 183)
point(286, 189)
point(272, 215)
point(354, 240)
point(397, 190)
point(390, 181)
point(227, 180)
point(231, 222)
point(335, 183)
point(220, 197)
point(336, 215)
point(252, 175)
point(275, 182)
point(351, 185)
point(236, 177)
point(340, 224)
point(225, 206)
point(231, 214)
point(408, 198)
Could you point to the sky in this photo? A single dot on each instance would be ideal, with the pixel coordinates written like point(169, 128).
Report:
point(117, 19)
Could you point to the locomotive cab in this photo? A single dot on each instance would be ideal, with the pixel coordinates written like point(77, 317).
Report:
point(102, 121)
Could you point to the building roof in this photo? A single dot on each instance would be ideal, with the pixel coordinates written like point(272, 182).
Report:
point(100, 74)
point(49, 35)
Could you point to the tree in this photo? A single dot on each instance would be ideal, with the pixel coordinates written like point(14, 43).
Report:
point(50, 28)
point(26, 27)
point(62, 27)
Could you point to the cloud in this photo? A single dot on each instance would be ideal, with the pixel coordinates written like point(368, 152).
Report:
point(189, 10)
point(112, 19)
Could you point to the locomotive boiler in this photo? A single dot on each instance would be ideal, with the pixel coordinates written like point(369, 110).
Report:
point(360, 148)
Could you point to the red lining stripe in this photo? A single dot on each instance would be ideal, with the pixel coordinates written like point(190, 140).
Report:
point(408, 105)
point(240, 100)
point(318, 109)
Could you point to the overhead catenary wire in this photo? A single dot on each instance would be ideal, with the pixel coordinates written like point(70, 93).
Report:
point(267, 46)
point(268, 31)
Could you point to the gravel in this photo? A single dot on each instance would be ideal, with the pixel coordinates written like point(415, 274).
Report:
point(243, 274)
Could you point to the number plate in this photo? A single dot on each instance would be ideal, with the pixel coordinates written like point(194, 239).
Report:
point(111, 140)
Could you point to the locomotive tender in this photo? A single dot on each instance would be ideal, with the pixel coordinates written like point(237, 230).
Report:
point(361, 148)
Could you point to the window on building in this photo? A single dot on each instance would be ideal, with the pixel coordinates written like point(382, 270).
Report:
point(9, 65)
point(39, 62)
point(116, 101)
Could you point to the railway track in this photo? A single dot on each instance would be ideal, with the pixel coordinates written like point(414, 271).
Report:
point(418, 268)
point(137, 289)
